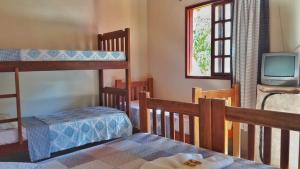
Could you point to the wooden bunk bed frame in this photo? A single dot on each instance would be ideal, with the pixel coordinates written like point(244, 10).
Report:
point(137, 87)
point(213, 115)
point(108, 96)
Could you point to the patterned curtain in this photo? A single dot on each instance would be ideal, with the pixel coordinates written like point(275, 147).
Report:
point(245, 43)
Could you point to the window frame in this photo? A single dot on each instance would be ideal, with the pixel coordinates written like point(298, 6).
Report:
point(189, 41)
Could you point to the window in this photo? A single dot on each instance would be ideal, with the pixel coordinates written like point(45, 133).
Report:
point(208, 40)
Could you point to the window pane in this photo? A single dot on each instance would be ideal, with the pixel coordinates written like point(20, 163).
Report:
point(219, 13)
point(227, 65)
point(228, 11)
point(227, 29)
point(218, 30)
point(227, 47)
point(218, 48)
point(200, 64)
point(218, 65)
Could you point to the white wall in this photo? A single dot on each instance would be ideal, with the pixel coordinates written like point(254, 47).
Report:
point(285, 25)
point(64, 24)
point(166, 51)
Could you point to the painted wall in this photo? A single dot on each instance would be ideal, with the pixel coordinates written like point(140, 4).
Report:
point(285, 25)
point(61, 24)
point(166, 51)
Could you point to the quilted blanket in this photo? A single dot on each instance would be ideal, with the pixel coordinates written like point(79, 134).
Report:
point(77, 127)
point(59, 55)
point(132, 153)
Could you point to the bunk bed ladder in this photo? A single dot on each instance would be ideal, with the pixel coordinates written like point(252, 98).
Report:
point(18, 106)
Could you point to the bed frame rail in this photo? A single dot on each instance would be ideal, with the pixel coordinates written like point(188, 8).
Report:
point(115, 98)
point(173, 108)
point(285, 121)
point(137, 87)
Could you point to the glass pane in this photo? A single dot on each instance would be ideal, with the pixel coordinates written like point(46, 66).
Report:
point(227, 47)
point(228, 11)
point(218, 65)
point(218, 30)
point(227, 29)
point(227, 65)
point(200, 58)
point(219, 13)
point(218, 48)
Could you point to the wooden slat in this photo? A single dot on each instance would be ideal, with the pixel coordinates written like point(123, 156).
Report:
point(122, 44)
point(144, 114)
point(172, 130)
point(105, 99)
point(264, 118)
point(163, 124)
point(8, 120)
point(101, 85)
point(181, 128)
point(113, 44)
point(236, 140)
point(18, 105)
point(251, 141)
point(173, 106)
point(118, 44)
point(192, 130)
point(5, 96)
point(218, 125)
point(108, 45)
point(205, 134)
point(154, 121)
point(267, 145)
point(284, 149)
point(118, 101)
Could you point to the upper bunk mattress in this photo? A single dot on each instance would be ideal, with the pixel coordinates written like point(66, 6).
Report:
point(59, 55)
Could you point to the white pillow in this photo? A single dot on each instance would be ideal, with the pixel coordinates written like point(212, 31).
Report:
point(6, 126)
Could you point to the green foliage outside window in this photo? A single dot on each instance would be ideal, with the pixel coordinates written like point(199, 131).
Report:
point(202, 49)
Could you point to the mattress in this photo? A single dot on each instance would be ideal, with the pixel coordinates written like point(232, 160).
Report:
point(59, 55)
point(10, 136)
point(132, 153)
point(68, 129)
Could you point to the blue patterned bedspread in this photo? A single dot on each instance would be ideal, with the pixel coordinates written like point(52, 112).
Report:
point(78, 127)
point(59, 55)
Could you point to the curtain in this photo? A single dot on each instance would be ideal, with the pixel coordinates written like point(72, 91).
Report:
point(245, 48)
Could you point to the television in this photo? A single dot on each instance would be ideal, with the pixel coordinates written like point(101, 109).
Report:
point(280, 69)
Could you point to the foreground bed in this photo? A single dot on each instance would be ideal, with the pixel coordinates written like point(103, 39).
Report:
point(132, 153)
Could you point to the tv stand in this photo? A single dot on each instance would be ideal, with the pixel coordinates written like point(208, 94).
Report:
point(278, 89)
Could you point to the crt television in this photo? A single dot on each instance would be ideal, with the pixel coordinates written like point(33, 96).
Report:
point(280, 69)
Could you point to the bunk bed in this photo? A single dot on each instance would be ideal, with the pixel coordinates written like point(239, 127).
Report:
point(114, 53)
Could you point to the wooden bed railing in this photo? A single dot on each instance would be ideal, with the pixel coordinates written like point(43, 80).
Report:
point(115, 98)
point(232, 98)
point(285, 121)
point(137, 87)
point(181, 109)
point(213, 115)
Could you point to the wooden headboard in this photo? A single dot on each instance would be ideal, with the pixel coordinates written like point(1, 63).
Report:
point(137, 87)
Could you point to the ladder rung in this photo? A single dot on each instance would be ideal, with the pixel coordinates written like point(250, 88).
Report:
point(7, 96)
point(8, 120)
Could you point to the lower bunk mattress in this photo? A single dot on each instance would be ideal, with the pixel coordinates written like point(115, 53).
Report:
point(132, 153)
point(64, 130)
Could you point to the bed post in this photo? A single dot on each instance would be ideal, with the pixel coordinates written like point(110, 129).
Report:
point(144, 113)
point(128, 71)
point(100, 72)
point(218, 126)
